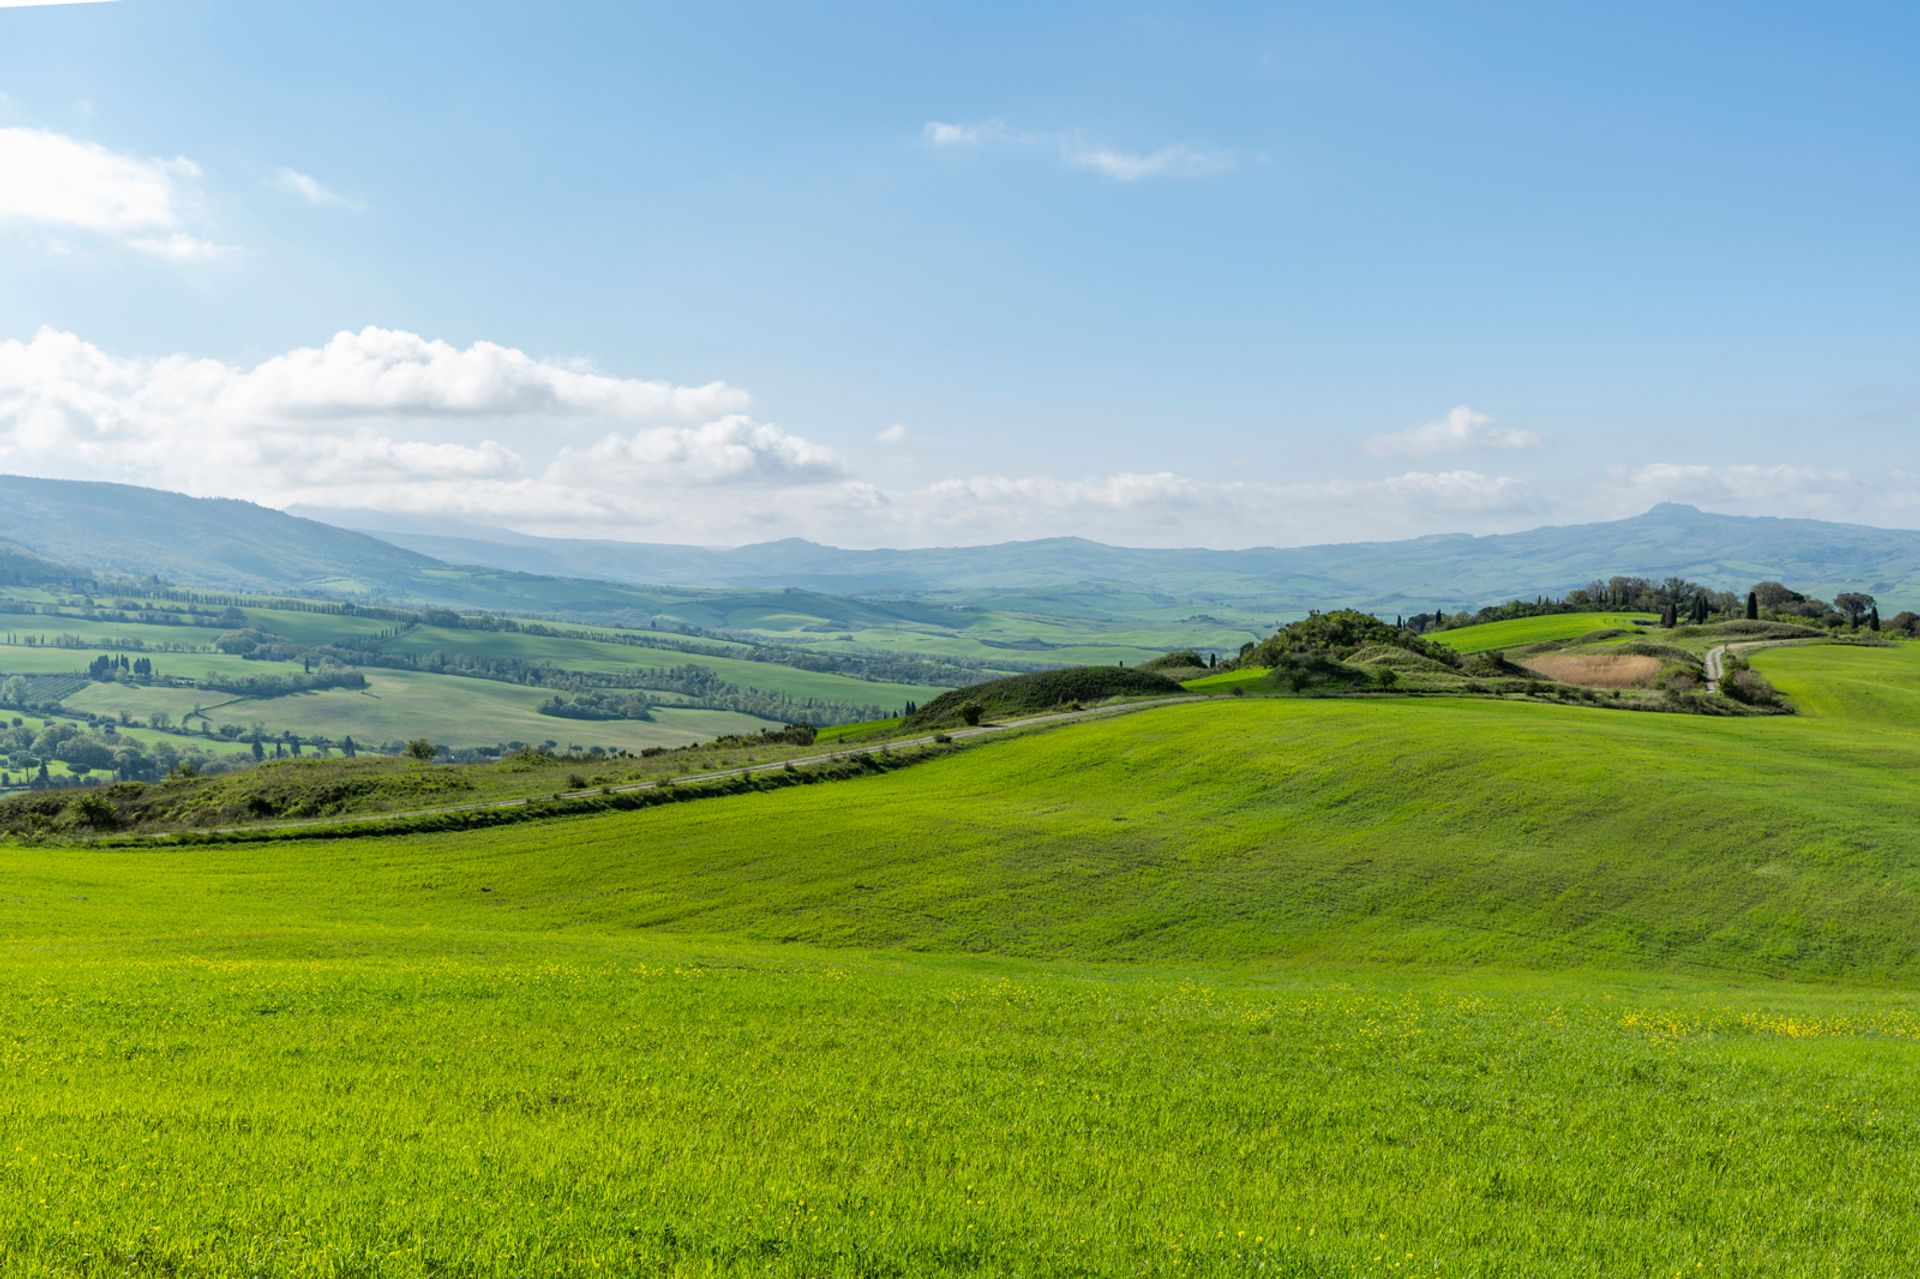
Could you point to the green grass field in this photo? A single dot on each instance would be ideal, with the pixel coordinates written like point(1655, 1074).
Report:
point(1247, 986)
point(1537, 630)
point(401, 705)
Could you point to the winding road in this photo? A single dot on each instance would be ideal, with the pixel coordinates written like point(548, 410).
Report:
point(1717, 660)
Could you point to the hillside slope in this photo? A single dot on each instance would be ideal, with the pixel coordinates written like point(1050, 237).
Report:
point(124, 529)
point(1304, 988)
point(1413, 831)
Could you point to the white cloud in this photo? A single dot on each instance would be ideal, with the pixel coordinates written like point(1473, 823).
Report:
point(734, 449)
point(377, 412)
point(1165, 508)
point(1077, 150)
point(894, 435)
point(940, 134)
point(1168, 162)
point(391, 420)
point(56, 181)
point(1462, 430)
point(312, 190)
point(1733, 484)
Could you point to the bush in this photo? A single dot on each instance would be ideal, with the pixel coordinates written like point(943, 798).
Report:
point(94, 811)
point(972, 713)
point(1750, 688)
point(422, 749)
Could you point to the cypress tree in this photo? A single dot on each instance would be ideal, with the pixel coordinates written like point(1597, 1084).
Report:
point(1873, 618)
point(1753, 606)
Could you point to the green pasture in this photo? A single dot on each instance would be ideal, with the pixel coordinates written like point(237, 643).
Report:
point(610, 658)
point(23, 659)
point(455, 711)
point(1451, 987)
point(157, 639)
point(1537, 630)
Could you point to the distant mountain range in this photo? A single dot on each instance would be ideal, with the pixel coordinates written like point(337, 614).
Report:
point(219, 543)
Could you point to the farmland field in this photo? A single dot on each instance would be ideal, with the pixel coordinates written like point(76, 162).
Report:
point(1212, 988)
point(399, 705)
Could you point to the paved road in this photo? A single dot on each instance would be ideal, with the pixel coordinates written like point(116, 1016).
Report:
point(772, 766)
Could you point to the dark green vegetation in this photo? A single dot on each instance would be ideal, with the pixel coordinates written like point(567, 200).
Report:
point(1042, 691)
point(1332, 987)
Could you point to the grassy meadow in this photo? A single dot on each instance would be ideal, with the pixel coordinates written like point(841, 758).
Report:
point(1539, 630)
point(1249, 986)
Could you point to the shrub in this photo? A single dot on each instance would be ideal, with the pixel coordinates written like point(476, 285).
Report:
point(94, 811)
point(1749, 687)
point(972, 713)
point(422, 749)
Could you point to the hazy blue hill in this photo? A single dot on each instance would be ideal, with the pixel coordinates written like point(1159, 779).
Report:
point(1729, 551)
point(21, 567)
point(120, 528)
point(211, 542)
point(230, 545)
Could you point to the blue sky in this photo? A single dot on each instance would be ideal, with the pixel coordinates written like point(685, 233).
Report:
point(1166, 275)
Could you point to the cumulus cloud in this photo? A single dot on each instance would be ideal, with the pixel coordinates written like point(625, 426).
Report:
point(60, 182)
point(1077, 150)
point(312, 190)
point(389, 420)
point(733, 449)
point(1166, 508)
point(1462, 430)
point(1804, 487)
point(375, 414)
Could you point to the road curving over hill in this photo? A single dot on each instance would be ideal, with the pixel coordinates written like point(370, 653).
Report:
point(1717, 655)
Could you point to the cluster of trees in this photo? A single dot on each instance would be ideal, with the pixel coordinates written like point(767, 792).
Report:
point(1340, 633)
point(281, 685)
point(708, 691)
point(598, 705)
point(258, 645)
point(26, 751)
point(107, 668)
